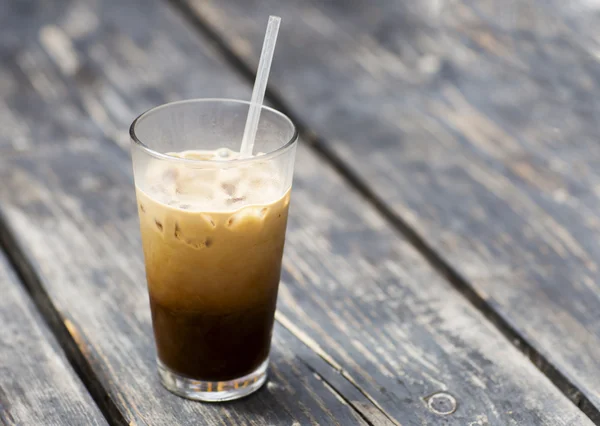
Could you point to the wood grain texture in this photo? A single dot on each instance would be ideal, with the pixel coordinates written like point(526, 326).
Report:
point(364, 302)
point(37, 384)
point(476, 124)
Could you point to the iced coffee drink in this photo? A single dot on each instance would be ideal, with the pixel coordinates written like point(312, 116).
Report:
point(213, 230)
point(212, 268)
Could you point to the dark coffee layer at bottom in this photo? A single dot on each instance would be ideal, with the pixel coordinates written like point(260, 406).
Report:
point(213, 347)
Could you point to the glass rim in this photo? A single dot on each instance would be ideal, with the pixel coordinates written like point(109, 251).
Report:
point(224, 162)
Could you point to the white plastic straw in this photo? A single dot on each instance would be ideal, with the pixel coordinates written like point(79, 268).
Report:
point(260, 86)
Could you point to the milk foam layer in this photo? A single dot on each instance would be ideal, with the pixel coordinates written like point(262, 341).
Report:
point(215, 187)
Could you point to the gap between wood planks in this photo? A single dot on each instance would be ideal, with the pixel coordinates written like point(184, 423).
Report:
point(436, 261)
point(314, 346)
point(57, 325)
point(341, 397)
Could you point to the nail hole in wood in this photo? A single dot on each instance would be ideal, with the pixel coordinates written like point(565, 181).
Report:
point(441, 403)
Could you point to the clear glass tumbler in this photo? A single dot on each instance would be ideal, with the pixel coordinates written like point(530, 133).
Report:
point(213, 228)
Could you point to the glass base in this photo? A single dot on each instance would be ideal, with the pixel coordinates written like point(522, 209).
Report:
point(200, 390)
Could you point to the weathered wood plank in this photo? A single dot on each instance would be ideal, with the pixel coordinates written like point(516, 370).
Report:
point(364, 301)
point(477, 126)
point(37, 384)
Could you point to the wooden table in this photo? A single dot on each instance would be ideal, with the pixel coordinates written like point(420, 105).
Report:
point(442, 258)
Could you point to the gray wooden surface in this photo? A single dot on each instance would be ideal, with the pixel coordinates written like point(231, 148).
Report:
point(37, 384)
point(475, 130)
point(368, 331)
